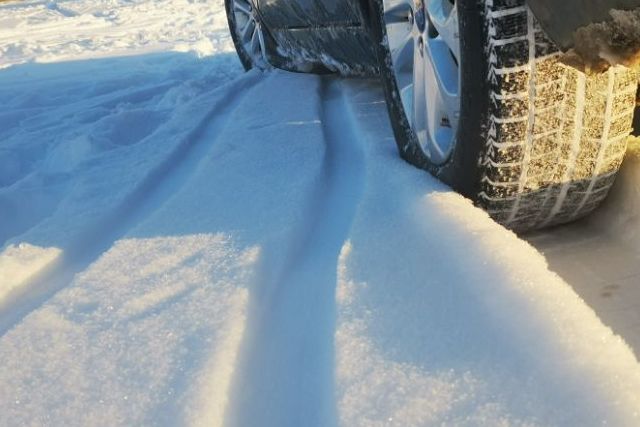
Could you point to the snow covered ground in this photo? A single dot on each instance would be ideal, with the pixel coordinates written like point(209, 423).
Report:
point(599, 255)
point(182, 243)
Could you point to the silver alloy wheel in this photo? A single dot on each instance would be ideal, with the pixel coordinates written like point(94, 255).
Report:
point(425, 50)
point(250, 33)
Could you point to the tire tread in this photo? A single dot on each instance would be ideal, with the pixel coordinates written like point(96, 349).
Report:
point(556, 137)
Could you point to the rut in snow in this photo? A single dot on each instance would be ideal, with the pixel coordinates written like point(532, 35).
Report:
point(292, 318)
point(152, 192)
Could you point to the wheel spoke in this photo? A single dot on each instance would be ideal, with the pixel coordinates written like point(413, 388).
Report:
point(419, 121)
point(255, 42)
point(247, 32)
point(445, 72)
point(397, 11)
point(242, 7)
point(403, 54)
point(443, 104)
point(406, 97)
point(444, 18)
point(263, 50)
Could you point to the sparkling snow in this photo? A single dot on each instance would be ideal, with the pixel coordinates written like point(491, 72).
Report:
point(183, 243)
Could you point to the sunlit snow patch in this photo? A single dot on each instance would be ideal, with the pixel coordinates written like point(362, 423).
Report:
point(147, 335)
point(19, 263)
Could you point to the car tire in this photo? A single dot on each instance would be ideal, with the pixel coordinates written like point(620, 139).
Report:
point(536, 143)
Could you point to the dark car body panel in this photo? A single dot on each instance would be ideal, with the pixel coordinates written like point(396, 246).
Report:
point(346, 50)
point(319, 36)
point(333, 35)
point(561, 18)
point(280, 14)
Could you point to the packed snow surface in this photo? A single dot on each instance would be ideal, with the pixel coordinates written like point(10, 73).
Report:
point(183, 243)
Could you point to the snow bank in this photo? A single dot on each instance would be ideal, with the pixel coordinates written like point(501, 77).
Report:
point(444, 317)
point(59, 30)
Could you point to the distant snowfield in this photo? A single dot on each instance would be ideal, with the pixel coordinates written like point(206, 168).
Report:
point(182, 243)
point(55, 30)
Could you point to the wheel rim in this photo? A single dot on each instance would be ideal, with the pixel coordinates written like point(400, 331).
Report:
point(250, 32)
point(425, 54)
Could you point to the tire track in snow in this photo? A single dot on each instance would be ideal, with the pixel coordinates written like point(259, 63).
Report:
point(292, 319)
point(151, 193)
